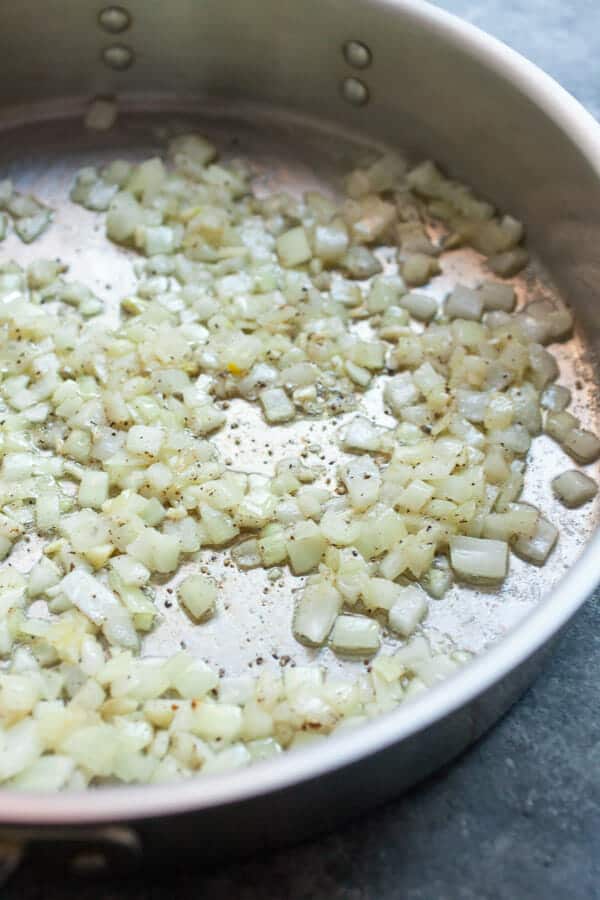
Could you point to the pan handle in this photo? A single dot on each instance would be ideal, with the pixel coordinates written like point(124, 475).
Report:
point(110, 850)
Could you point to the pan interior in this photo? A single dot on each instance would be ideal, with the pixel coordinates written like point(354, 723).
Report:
point(253, 624)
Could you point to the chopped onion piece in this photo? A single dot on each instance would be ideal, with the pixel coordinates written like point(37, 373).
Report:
point(537, 548)
point(246, 554)
point(385, 172)
point(495, 295)
point(158, 552)
point(305, 547)
point(145, 440)
point(438, 579)
point(400, 391)
point(472, 404)
point(330, 242)
point(556, 398)
point(432, 671)
point(100, 605)
point(408, 611)
point(464, 303)
point(355, 635)
point(276, 405)
point(293, 248)
point(339, 527)
point(363, 480)
point(93, 489)
point(420, 306)
point(508, 263)
point(479, 559)
point(194, 147)
point(20, 747)
point(559, 425)
point(386, 291)
point(316, 612)
point(545, 321)
point(418, 268)
point(362, 435)
point(45, 574)
point(360, 263)
point(31, 227)
point(130, 570)
point(573, 488)
point(582, 445)
point(198, 594)
point(358, 374)
point(47, 773)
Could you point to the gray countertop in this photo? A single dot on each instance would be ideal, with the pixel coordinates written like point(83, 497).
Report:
point(518, 816)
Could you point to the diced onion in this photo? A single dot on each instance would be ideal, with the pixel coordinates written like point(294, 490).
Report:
point(508, 263)
point(198, 594)
point(420, 306)
point(293, 248)
point(355, 635)
point(582, 445)
point(418, 268)
point(305, 547)
point(362, 435)
point(298, 307)
point(537, 548)
point(464, 303)
point(556, 398)
point(495, 295)
point(479, 559)
point(100, 605)
point(408, 611)
point(316, 612)
point(574, 488)
point(276, 405)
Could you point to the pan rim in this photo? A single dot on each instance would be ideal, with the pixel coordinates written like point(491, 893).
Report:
point(539, 626)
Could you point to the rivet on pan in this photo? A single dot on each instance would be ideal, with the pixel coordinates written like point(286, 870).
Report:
point(114, 19)
point(355, 91)
point(357, 54)
point(118, 57)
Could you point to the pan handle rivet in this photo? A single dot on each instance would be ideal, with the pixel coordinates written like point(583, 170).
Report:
point(357, 54)
point(114, 19)
point(118, 57)
point(355, 92)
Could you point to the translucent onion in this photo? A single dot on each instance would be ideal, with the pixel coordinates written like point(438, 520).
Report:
point(109, 455)
point(479, 559)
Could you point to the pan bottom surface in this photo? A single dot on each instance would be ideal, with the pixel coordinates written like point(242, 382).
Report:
point(42, 153)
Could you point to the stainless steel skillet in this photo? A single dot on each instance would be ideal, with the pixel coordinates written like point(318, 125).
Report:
point(300, 105)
